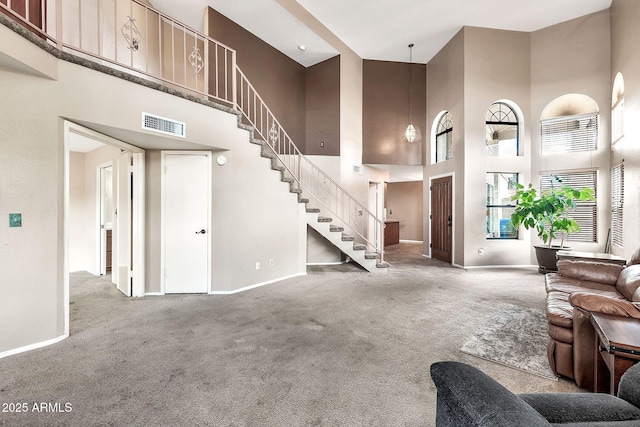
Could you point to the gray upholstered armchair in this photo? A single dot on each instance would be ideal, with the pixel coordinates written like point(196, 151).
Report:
point(469, 397)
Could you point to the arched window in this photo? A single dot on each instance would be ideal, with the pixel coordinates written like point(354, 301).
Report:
point(569, 123)
point(502, 134)
point(444, 145)
point(617, 109)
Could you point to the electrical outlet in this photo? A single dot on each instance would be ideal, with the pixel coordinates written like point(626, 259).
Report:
point(258, 265)
point(481, 251)
point(271, 262)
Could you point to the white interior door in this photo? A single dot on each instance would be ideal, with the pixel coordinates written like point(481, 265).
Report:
point(186, 221)
point(124, 225)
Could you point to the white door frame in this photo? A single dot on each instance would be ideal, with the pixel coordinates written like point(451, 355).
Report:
point(138, 225)
point(101, 243)
point(163, 155)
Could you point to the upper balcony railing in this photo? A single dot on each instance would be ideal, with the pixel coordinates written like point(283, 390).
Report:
point(131, 35)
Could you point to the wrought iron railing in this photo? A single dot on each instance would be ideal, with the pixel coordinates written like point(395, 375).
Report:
point(314, 183)
point(131, 35)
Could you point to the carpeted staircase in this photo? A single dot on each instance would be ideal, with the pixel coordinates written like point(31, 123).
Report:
point(335, 234)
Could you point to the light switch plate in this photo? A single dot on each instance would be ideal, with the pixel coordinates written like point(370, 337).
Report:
point(15, 220)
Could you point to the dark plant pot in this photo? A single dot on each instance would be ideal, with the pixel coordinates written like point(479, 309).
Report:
point(547, 257)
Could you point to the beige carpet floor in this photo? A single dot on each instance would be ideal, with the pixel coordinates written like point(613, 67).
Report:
point(338, 347)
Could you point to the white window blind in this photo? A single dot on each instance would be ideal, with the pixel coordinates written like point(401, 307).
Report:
point(586, 213)
point(617, 206)
point(569, 133)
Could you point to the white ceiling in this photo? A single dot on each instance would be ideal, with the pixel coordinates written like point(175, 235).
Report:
point(380, 29)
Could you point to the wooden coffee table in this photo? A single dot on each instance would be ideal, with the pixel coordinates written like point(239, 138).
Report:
point(617, 349)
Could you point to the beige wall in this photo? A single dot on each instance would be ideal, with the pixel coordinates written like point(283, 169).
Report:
point(404, 203)
point(32, 308)
point(574, 57)
point(498, 74)
point(445, 92)
point(83, 216)
point(78, 211)
point(625, 39)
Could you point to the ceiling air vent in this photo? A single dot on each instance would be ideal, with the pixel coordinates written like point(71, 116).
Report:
point(163, 125)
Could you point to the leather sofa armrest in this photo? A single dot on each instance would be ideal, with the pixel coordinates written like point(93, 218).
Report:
point(599, 272)
point(604, 304)
point(469, 397)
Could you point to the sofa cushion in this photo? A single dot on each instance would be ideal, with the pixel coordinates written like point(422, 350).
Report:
point(599, 272)
point(629, 387)
point(635, 258)
point(559, 310)
point(628, 283)
point(603, 304)
point(581, 407)
point(568, 285)
point(560, 333)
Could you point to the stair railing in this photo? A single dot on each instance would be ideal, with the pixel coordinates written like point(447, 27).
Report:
point(314, 183)
point(130, 35)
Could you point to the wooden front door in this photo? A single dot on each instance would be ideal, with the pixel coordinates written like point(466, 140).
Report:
point(441, 218)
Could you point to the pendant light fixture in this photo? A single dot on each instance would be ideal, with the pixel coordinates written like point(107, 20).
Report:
point(410, 133)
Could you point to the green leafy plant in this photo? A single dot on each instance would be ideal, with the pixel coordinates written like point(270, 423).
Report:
point(548, 212)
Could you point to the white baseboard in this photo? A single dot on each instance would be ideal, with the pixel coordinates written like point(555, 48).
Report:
point(32, 346)
point(478, 267)
point(411, 241)
point(257, 285)
point(327, 263)
point(147, 294)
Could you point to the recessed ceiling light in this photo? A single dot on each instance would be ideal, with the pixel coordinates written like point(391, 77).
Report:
point(302, 47)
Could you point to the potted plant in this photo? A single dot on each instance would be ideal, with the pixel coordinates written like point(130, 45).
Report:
point(548, 214)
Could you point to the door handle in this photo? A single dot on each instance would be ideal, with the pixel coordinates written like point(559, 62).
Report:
point(203, 231)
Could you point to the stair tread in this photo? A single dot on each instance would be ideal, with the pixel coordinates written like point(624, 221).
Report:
point(336, 229)
point(324, 219)
point(347, 238)
point(359, 247)
point(313, 210)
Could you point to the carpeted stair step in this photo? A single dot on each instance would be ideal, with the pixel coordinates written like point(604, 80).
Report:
point(313, 210)
point(303, 200)
point(382, 264)
point(324, 219)
point(371, 255)
point(347, 238)
point(335, 229)
point(359, 247)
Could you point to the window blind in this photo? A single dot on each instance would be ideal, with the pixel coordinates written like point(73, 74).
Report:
point(586, 213)
point(617, 206)
point(569, 133)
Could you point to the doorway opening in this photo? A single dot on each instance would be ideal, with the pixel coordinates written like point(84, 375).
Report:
point(104, 203)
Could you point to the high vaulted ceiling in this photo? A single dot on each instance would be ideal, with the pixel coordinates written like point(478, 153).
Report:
point(380, 29)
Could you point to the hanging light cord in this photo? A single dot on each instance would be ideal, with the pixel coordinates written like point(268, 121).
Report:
point(410, 82)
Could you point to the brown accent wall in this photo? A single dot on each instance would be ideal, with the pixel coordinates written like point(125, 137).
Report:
point(323, 108)
point(279, 80)
point(404, 203)
point(385, 114)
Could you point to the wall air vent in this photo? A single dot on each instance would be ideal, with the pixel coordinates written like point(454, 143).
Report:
point(358, 169)
point(163, 125)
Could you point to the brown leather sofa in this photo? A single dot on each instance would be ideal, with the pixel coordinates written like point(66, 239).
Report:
point(576, 289)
